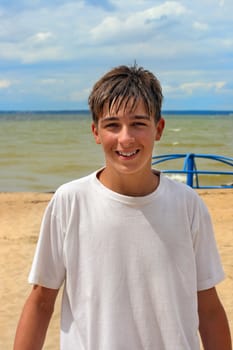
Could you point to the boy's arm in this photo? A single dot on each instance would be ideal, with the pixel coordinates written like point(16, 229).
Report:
point(34, 321)
point(213, 324)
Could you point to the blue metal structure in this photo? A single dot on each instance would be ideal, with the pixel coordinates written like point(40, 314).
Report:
point(190, 168)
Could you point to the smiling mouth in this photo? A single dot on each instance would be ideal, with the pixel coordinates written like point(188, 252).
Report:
point(127, 154)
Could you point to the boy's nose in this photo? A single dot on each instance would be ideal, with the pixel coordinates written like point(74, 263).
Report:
point(126, 137)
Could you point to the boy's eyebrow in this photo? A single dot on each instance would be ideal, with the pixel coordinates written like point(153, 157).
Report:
point(138, 117)
point(146, 117)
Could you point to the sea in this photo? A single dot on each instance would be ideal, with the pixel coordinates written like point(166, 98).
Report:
point(39, 151)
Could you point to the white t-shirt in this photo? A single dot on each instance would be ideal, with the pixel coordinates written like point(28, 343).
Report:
point(132, 266)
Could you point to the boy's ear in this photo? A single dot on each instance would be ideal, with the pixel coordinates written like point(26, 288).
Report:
point(95, 133)
point(159, 129)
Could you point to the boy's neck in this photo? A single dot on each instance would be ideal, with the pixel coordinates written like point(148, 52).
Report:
point(129, 185)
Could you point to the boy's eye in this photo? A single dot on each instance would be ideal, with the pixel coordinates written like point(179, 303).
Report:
point(111, 125)
point(139, 124)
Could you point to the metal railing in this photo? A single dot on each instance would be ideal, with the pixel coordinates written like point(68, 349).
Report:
point(190, 168)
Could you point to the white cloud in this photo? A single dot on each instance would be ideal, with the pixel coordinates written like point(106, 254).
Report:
point(189, 88)
point(79, 95)
point(228, 43)
point(136, 22)
point(41, 54)
point(50, 81)
point(200, 26)
point(188, 44)
point(22, 40)
point(168, 8)
point(73, 31)
point(42, 36)
point(4, 83)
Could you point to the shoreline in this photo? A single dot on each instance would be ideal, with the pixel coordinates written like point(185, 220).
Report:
point(21, 214)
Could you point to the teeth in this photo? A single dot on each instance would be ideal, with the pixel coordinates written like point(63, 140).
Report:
point(127, 154)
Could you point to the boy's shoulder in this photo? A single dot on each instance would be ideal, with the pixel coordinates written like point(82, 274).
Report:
point(176, 185)
point(76, 186)
point(177, 190)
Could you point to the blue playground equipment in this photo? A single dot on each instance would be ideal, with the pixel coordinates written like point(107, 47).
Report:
point(191, 171)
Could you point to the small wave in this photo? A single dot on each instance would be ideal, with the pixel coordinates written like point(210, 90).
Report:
point(177, 177)
point(175, 129)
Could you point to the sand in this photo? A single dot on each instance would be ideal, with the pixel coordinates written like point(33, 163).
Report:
point(21, 215)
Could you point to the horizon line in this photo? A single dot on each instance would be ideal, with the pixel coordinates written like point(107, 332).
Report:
point(84, 110)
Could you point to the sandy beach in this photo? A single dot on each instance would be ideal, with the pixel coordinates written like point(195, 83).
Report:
point(21, 215)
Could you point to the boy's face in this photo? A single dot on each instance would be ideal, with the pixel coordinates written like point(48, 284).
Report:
point(127, 138)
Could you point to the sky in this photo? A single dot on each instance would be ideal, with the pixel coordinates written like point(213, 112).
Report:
point(53, 51)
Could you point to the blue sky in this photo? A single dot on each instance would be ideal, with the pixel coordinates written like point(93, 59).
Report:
point(52, 51)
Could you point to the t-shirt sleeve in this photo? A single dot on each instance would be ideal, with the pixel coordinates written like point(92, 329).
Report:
point(48, 268)
point(209, 267)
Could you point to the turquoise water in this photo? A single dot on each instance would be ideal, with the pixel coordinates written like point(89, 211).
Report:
point(40, 151)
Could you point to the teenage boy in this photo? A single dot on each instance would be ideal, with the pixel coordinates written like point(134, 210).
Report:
point(134, 249)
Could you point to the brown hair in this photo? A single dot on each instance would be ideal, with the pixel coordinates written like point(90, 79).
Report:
point(123, 84)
